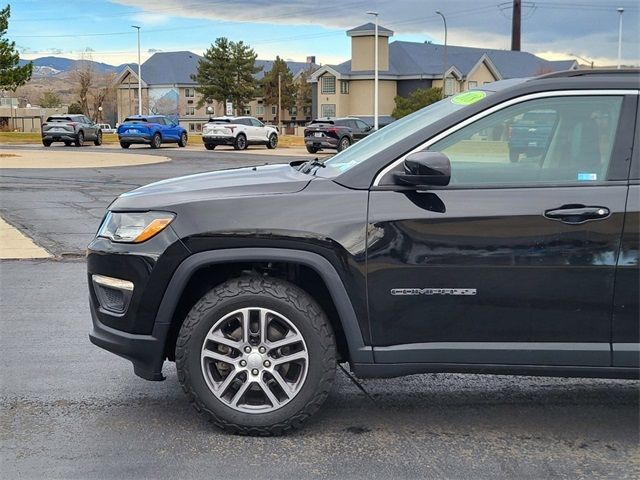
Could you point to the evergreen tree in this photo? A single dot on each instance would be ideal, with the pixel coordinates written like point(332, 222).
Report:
point(288, 88)
point(416, 100)
point(11, 75)
point(226, 74)
point(304, 93)
point(50, 99)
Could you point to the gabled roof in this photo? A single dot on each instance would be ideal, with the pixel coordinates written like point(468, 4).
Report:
point(560, 65)
point(426, 59)
point(171, 68)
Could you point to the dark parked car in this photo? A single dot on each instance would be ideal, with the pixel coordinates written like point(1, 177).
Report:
point(335, 133)
point(529, 134)
point(153, 130)
point(420, 249)
point(70, 129)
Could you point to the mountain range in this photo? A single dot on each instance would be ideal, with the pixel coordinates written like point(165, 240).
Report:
point(52, 66)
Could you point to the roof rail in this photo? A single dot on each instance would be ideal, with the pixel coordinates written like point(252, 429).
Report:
point(590, 73)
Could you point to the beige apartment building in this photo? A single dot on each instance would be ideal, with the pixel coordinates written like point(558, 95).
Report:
point(167, 89)
point(347, 89)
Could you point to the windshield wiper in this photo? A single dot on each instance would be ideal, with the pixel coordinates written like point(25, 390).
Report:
point(307, 166)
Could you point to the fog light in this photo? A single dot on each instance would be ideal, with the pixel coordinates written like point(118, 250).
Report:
point(113, 294)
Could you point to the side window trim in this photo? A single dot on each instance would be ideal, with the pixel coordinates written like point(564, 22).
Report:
point(508, 103)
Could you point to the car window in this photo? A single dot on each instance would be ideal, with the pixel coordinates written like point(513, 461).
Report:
point(135, 120)
point(256, 123)
point(552, 140)
point(59, 119)
point(361, 125)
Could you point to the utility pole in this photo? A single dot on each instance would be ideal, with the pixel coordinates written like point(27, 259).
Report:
point(139, 73)
point(280, 102)
point(620, 11)
point(444, 71)
point(516, 25)
point(375, 73)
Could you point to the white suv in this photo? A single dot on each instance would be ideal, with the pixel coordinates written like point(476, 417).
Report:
point(239, 132)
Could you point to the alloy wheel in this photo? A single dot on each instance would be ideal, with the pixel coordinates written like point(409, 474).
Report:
point(254, 360)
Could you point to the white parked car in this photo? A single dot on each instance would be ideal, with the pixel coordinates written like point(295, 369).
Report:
point(106, 128)
point(239, 132)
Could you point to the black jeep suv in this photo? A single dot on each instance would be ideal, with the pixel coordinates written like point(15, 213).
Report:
point(422, 248)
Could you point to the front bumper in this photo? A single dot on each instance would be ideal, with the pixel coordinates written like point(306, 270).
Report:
point(146, 352)
point(218, 139)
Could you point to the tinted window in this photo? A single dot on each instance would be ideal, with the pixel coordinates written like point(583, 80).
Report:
point(256, 123)
point(551, 140)
point(135, 120)
point(59, 119)
point(362, 125)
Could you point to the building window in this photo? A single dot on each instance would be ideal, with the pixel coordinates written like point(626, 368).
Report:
point(328, 110)
point(472, 84)
point(260, 110)
point(274, 110)
point(486, 83)
point(449, 86)
point(198, 127)
point(328, 85)
point(189, 92)
point(344, 86)
point(293, 111)
point(246, 111)
point(192, 127)
point(190, 111)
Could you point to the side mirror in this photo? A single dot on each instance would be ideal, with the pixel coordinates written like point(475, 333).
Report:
point(369, 128)
point(425, 168)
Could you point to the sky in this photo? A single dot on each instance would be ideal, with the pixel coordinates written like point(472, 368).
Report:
point(294, 29)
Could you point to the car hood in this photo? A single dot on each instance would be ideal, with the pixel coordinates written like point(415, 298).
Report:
point(240, 182)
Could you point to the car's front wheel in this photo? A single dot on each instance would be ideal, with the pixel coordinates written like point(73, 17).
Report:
point(47, 143)
point(311, 149)
point(183, 140)
point(273, 141)
point(125, 144)
point(256, 355)
point(98, 141)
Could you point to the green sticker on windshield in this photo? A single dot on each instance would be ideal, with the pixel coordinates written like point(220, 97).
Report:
point(468, 98)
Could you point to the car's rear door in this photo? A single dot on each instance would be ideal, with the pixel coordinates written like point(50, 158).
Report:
point(512, 263)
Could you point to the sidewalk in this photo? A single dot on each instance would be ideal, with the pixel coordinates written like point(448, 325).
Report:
point(73, 159)
point(15, 245)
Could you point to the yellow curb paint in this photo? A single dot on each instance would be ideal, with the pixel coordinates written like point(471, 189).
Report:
point(15, 245)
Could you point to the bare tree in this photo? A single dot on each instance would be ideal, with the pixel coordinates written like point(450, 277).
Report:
point(103, 94)
point(83, 78)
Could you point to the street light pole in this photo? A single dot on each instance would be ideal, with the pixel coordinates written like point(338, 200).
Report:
point(620, 11)
point(139, 73)
point(375, 73)
point(444, 73)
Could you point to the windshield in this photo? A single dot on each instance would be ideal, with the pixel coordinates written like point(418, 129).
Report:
point(395, 132)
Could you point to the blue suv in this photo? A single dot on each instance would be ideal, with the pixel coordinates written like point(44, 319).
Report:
point(153, 130)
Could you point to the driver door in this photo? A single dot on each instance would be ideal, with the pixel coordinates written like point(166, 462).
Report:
point(512, 262)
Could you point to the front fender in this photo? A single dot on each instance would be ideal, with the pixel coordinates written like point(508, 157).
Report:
point(358, 351)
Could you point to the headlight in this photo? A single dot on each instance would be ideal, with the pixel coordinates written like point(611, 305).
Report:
point(133, 227)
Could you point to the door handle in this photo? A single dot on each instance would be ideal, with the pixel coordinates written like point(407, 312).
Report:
point(575, 214)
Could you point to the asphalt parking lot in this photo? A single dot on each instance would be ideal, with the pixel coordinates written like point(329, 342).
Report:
point(71, 410)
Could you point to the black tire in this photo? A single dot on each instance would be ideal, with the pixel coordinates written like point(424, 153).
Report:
point(209, 146)
point(273, 141)
point(183, 140)
point(514, 155)
point(286, 299)
point(79, 139)
point(67, 143)
point(47, 143)
point(344, 143)
point(98, 141)
point(125, 144)
point(156, 141)
point(312, 149)
point(240, 143)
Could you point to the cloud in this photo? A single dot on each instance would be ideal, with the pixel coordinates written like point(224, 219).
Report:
point(590, 26)
point(150, 19)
